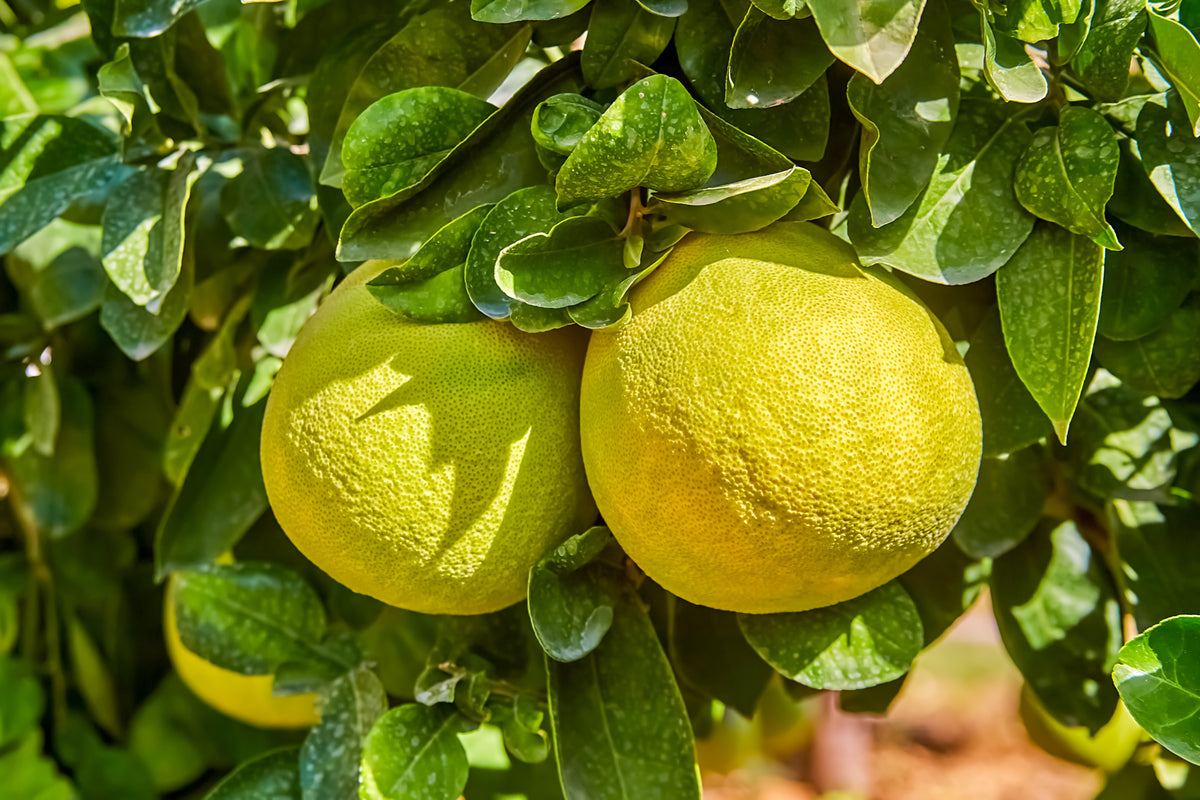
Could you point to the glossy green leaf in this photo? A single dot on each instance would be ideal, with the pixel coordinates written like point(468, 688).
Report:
point(854, 644)
point(703, 40)
point(1072, 35)
point(142, 248)
point(273, 775)
point(571, 600)
point(247, 617)
point(967, 223)
point(413, 753)
point(332, 755)
point(501, 11)
point(651, 136)
point(398, 139)
point(22, 700)
point(622, 36)
point(271, 204)
point(907, 119)
point(58, 270)
point(118, 80)
point(1137, 202)
point(560, 122)
point(1037, 20)
point(1179, 59)
point(570, 264)
point(1067, 173)
point(798, 59)
point(1102, 61)
point(784, 9)
point(943, 586)
point(873, 36)
point(139, 331)
point(1049, 296)
point(1159, 683)
point(1163, 363)
point(146, 18)
point(1145, 282)
point(625, 688)
point(439, 47)
point(1060, 621)
point(1170, 154)
point(45, 164)
point(1155, 587)
point(1009, 68)
point(1007, 504)
point(712, 657)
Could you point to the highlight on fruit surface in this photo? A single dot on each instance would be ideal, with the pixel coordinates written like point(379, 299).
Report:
point(777, 429)
point(428, 466)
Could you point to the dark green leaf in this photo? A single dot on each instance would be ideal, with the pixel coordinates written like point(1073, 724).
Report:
point(21, 700)
point(1103, 59)
point(94, 678)
point(570, 264)
point(1145, 282)
point(137, 330)
point(1159, 684)
point(1179, 59)
point(332, 755)
point(711, 656)
point(413, 753)
point(146, 18)
point(559, 122)
point(571, 600)
point(500, 11)
point(1049, 297)
point(58, 269)
point(271, 204)
point(1164, 363)
point(626, 689)
point(400, 138)
point(906, 119)
point(1067, 173)
point(943, 586)
point(873, 36)
point(1157, 550)
point(1137, 202)
point(854, 644)
point(248, 617)
point(273, 776)
point(622, 36)
point(797, 59)
point(1009, 68)
point(967, 223)
point(1007, 503)
point(1170, 154)
point(1060, 621)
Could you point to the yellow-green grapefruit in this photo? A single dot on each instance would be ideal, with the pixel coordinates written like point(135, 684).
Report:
point(428, 466)
point(776, 429)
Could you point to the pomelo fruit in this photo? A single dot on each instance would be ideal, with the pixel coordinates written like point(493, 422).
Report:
point(776, 429)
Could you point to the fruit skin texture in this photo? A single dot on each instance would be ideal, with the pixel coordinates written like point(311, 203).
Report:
point(776, 429)
point(429, 466)
point(247, 698)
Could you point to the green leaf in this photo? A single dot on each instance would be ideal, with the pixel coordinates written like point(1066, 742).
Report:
point(139, 331)
point(21, 700)
point(1072, 35)
point(1049, 296)
point(1179, 60)
point(523, 213)
point(703, 39)
point(118, 80)
point(559, 122)
point(1037, 20)
point(571, 599)
point(798, 58)
point(15, 98)
point(501, 11)
point(46, 163)
point(622, 36)
point(1145, 283)
point(1170, 154)
point(400, 138)
point(1008, 68)
point(872, 36)
point(906, 119)
point(1060, 621)
point(626, 689)
point(1137, 202)
point(1156, 549)
point(271, 204)
point(27, 773)
point(862, 642)
point(570, 264)
point(967, 223)
point(94, 678)
point(332, 755)
point(1159, 684)
point(712, 657)
point(1102, 61)
point(1007, 504)
point(146, 18)
point(943, 586)
point(651, 136)
point(413, 753)
point(1164, 363)
point(248, 617)
point(1067, 173)
point(784, 9)
point(274, 775)
point(439, 47)
point(58, 270)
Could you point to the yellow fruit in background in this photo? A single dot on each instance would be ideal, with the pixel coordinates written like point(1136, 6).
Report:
point(1108, 749)
point(776, 429)
point(429, 466)
point(247, 698)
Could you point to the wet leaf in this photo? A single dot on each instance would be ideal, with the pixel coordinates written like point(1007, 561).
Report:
point(873, 36)
point(501, 11)
point(572, 596)
point(1179, 58)
point(1007, 504)
point(139, 331)
point(1163, 363)
point(622, 35)
point(275, 775)
point(331, 758)
point(1145, 283)
point(413, 753)
point(570, 264)
point(1171, 155)
point(798, 59)
point(1102, 61)
point(560, 122)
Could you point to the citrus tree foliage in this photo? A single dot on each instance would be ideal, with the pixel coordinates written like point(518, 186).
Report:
point(182, 181)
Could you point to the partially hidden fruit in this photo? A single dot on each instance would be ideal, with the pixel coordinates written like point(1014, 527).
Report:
point(428, 466)
point(776, 429)
point(1108, 749)
point(247, 698)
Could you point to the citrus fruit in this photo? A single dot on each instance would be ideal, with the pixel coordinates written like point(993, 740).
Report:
point(776, 429)
point(1108, 749)
point(428, 466)
point(247, 698)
